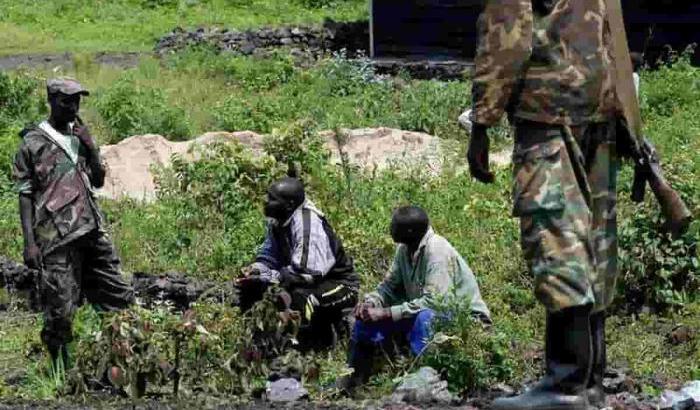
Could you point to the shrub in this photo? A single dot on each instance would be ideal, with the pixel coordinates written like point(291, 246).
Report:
point(468, 355)
point(656, 271)
point(260, 74)
point(129, 109)
point(345, 76)
point(433, 107)
point(297, 145)
point(19, 100)
point(211, 348)
point(256, 113)
point(315, 4)
point(226, 178)
point(671, 88)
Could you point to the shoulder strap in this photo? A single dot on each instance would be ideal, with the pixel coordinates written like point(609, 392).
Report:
point(306, 226)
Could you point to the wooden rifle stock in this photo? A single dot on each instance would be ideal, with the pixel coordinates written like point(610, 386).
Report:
point(648, 169)
point(647, 166)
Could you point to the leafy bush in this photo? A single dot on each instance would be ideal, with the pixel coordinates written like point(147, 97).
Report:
point(260, 74)
point(226, 178)
point(656, 271)
point(348, 76)
point(256, 113)
point(433, 107)
point(129, 109)
point(468, 355)
point(315, 4)
point(297, 145)
point(19, 100)
point(671, 88)
point(211, 348)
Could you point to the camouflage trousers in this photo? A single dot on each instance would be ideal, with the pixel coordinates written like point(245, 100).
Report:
point(87, 268)
point(564, 192)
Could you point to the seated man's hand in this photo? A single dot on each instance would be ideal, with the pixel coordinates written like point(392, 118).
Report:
point(360, 310)
point(376, 314)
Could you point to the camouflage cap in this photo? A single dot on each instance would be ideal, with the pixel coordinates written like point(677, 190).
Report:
point(65, 85)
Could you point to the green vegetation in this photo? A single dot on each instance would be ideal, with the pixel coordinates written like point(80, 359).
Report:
point(135, 25)
point(198, 90)
point(207, 222)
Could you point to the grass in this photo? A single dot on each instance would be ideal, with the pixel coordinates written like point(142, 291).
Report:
point(182, 232)
point(222, 92)
point(34, 26)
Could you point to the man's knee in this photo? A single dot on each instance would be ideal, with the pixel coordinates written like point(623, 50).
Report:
point(425, 317)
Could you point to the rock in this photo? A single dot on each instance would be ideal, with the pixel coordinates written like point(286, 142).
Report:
point(247, 48)
point(503, 389)
point(130, 162)
point(680, 334)
point(692, 389)
point(624, 401)
point(285, 390)
point(423, 387)
point(615, 381)
point(675, 401)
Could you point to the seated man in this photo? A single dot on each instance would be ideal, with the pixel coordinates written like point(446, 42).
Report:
point(425, 265)
point(302, 253)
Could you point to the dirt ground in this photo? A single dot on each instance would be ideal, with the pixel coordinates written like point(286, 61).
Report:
point(65, 60)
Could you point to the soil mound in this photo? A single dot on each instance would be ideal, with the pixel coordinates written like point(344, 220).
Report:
point(130, 161)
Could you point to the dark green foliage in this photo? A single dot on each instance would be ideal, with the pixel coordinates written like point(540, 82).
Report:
point(20, 101)
point(297, 145)
point(211, 348)
point(657, 272)
point(129, 109)
point(468, 355)
point(671, 88)
point(227, 179)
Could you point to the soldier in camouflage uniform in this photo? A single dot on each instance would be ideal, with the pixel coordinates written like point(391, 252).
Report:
point(56, 169)
point(548, 65)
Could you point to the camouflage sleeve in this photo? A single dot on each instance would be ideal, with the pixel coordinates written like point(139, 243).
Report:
point(22, 171)
point(505, 43)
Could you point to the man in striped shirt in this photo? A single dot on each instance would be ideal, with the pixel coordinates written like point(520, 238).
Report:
point(303, 254)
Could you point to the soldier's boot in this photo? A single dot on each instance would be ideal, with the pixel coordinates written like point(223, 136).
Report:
point(595, 391)
point(568, 361)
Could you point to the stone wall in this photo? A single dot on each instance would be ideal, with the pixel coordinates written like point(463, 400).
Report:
point(331, 36)
point(307, 42)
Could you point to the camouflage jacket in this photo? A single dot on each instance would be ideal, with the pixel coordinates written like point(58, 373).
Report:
point(414, 281)
point(548, 61)
point(64, 206)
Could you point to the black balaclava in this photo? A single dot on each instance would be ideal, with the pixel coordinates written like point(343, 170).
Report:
point(409, 225)
point(283, 197)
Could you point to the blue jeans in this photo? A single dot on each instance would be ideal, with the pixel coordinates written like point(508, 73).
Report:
point(417, 330)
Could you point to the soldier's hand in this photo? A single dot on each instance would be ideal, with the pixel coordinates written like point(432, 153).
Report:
point(83, 133)
point(478, 154)
point(32, 256)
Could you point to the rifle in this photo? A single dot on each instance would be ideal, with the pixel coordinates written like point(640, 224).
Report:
point(647, 165)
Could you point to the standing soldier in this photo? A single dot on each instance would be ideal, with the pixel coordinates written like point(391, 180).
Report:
point(548, 65)
point(56, 169)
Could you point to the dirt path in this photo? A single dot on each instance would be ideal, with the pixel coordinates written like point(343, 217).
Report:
point(65, 60)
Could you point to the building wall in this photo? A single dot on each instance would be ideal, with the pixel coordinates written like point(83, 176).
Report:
point(446, 29)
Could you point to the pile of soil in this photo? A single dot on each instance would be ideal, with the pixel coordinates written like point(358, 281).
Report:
point(130, 162)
